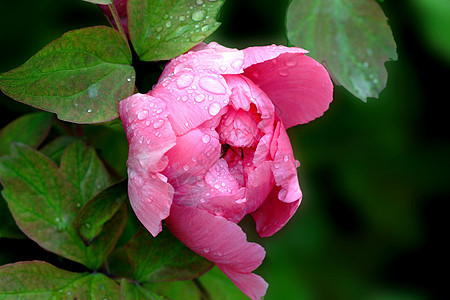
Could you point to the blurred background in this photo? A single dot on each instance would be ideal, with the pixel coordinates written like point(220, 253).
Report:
point(374, 175)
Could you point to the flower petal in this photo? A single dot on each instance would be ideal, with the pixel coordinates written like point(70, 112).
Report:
point(211, 57)
point(299, 86)
point(257, 55)
point(273, 214)
point(222, 242)
point(284, 167)
point(149, 136)
point(192, 98)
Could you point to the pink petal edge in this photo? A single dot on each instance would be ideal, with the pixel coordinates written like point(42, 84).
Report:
point(222, 242)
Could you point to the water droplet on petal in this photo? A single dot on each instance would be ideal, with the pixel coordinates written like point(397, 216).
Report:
point(214, 108)
point(142, 114)
point(199, 98)
point(186, 167)
point(290, 62)
point(206, 138)
point(297, 163)
point(276, 165)
point(237, 64)
point(282, 194)
point(184, 81)
point(240, 201)
point(212, 85)
point(206, 250)
point(283, 73)
point(194, 158)
point(158, 123)
point(286, 158)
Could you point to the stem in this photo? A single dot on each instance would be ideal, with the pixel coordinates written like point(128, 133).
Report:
point(118, 22)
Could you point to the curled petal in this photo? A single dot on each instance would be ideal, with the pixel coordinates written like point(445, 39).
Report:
point(222, 242)
point(257, 55)
point(149, 136)
point(299, 87)
point(284, 167)
point(273, 214)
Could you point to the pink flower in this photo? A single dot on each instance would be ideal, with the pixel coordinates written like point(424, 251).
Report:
point(208, 145)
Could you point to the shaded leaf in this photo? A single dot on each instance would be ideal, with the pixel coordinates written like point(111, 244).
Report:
point(351, 37)
point(220, 287)
point(30, 129)
point(129, 290)
point(163, 258)
point(176, 290)
point(56, 147)
point(40, 280)
point(45, 204)
point(99, 210)
point(161, 29)
point(80, 76)
point(85, 170)
point(8, 227)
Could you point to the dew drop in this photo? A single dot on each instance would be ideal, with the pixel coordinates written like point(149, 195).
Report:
point(240, 201)
point(88, 225)
point(212, 85)
point(182, 18)
point(283, 73)
point(237, 64)
point(205, 28)
point(186, 168)
point(168, 24)
point(214, 108)
point(159, 29)
point(282, 194)
point(291, 62)
point(89, 110)
point(199, 98)
point(206, 138)
point(206, 250)
point(286, 158)
point(194, 158)
point(158, 123)
point(276, 165)
point(142, 114)
point(129, 79)
point(198, 15)
point(297, 163)
point(184, 81)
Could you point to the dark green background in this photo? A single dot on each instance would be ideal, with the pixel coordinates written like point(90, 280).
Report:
point(374, 175)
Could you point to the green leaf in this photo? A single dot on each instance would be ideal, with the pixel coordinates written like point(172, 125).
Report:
point(40, 280)
point(8, 227)
point(56, 147)
point(176, 290)
point(99, 210)
point(80, 76)
point(162, 29)
point(30, 129)
point(163, 258)
point(45, 203)
point(104, 2)
point(220, 287)
point(133, 291)
point(85, 170)
point(351, 37)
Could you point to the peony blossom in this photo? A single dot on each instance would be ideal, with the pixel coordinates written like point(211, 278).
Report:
point(208, 145)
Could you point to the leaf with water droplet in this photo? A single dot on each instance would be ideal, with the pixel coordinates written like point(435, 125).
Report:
point(41, 280)
point(163, 258)
point(44, 200)
point(80, 76)
point(162, 30)
point(351, 37)
point(99, 210)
